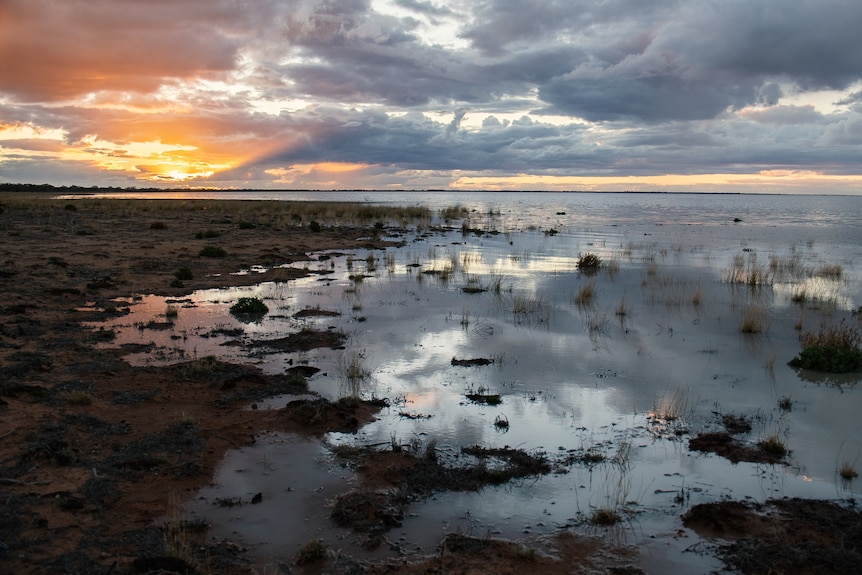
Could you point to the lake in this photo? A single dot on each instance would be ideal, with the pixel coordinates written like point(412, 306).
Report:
point(693, 315)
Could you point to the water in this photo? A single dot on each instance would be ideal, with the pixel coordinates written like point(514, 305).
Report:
point(660, 336)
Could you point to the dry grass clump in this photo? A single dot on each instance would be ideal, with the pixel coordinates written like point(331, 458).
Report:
point(847, 470)
point(773, 445)
point(585, 295)
point(754, 320)
point(354, 371)
point(749, 272)
point(830, 271)
point(313, 551)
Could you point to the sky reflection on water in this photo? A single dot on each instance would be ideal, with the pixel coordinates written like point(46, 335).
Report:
point(572, 375)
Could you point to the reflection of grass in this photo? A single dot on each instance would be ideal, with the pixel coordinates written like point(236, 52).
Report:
point(354, 372)
point(531, 305)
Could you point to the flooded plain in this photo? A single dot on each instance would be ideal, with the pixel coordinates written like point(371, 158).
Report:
point(487, 328)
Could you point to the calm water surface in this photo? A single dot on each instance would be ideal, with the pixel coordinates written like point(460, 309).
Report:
point(655, 356)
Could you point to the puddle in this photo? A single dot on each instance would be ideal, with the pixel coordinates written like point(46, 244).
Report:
point(653, 356)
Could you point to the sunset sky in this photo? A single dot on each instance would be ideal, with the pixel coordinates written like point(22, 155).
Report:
point(671, 95)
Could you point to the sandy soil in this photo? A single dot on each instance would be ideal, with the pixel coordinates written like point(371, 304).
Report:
point(93, 451)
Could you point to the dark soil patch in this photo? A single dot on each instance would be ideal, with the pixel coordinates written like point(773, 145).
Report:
point(394, 479)
point(304, 371)
point(316, 312)
point(485, 398)
point(726, 446)
point(472, 362)
point(305, 340)
point(319, 416)
point(460, 554)
point(735, 423)
point(783, 536)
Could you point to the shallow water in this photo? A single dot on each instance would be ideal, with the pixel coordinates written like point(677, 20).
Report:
point(573, 375)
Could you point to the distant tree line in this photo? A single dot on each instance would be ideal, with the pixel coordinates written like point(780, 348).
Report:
point(9, 187)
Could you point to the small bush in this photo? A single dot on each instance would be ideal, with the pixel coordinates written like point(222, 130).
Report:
point(67, 207)
point(158, 226)
point(184, 273)
point(311, 552)
point(753, 320)
point(249, 305)
point(212, 252)
point(314, 226)
point(207, 235)
point(834, 349)
point(847, 471)
point(247, 225)
point(604, 517)
point(589, 262)
point(773, 445)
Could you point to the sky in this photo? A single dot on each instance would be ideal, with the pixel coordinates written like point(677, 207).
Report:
point(757, 96)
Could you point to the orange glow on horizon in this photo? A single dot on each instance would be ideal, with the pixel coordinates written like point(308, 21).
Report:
point(705, 182)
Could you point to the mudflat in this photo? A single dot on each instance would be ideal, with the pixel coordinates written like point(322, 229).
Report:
point(97, 456)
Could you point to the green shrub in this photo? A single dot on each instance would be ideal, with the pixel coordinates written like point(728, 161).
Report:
point(207, 234)
point(249, 306)
point(247, 225)
point(212, 252)
point(314, 226)
point(158, 226)
point(834, 349)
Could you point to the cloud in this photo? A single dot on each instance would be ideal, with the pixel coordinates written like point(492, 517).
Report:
point(416, 91)
point(60, 50)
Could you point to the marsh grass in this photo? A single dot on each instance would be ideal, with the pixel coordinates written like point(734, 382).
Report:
point(178, 533)
point(847, 470)
point(354, 372)
point(585, 296)
point(312, 552)
point(754, 320)
point(748, 271)
point(672, 407)
point(834, 349)
point(697, 297)
point(773, 445)
point(531, 306)
point(622, 309)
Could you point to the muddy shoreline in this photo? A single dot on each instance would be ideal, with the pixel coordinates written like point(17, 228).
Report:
point(93, 451)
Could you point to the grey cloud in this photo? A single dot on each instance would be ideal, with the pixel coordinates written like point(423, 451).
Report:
point(427, 8)
point(785, 115)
